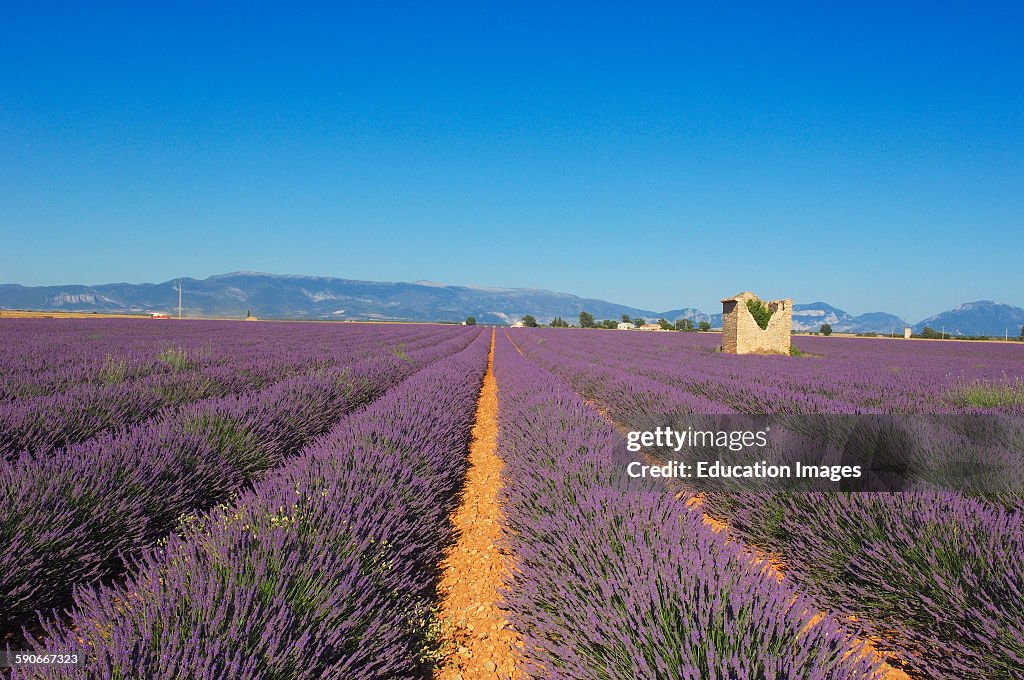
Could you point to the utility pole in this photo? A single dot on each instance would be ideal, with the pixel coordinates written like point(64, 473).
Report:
point(179, 299)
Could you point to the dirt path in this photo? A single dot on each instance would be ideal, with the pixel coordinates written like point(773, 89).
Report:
point(476, 636)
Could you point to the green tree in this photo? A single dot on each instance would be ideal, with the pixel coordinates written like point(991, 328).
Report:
point(639, 322)
point(586, 320)
point(1022, 333)
point(930, 333)
point(665, 325)
point(559, 322)
point(826, 329)
point(529, 321)
point(684, 325)
point(470, 320)
point(704, 326)
point(625, 318)
point(610, 324)
point(762, 315)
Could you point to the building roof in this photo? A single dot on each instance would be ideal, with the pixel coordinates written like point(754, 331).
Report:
point(739, 297)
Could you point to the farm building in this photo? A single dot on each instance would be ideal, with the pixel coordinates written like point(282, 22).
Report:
point(625, 326)
point(741, 332)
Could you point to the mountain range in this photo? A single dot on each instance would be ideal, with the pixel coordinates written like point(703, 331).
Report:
point(310, 297)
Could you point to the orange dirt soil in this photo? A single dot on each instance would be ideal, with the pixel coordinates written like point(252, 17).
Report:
point(476, 638)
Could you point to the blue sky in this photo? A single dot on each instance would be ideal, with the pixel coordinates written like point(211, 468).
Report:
point(660, 156)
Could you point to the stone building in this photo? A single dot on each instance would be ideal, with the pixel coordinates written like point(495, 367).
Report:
point(742, 335)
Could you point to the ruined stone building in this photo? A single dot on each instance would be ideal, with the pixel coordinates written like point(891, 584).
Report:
point(742, 335)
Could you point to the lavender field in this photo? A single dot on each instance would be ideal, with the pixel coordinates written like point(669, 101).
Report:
point(935, 577)
point(229, 500)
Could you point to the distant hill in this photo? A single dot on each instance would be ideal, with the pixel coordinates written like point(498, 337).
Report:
point(983, 317)
point(810, 317)
point(275, 296)
point(686, 313)
point(272, 296)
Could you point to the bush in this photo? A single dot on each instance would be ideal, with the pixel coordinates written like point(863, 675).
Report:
point(826, 329)
point(760, 312)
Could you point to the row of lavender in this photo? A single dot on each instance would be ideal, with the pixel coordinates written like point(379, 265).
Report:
point(326, 568)
point(617, 578)
point(135, 382)
point(838, 375)
point(46, 357)
point(939, 577)
point(79, 515)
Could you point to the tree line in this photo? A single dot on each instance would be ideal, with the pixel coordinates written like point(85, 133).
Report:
point(587, 320)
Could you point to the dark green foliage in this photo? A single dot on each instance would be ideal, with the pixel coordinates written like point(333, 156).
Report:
point(760, 312)
point(704, 326)
point(559, 322)
point(930, 333)
point(685, 325)
point(826, 329)
point(610, 324)
point(470, 320)
point(665, 325)
point(586, 320)
point(530, 321)
point(639, 322)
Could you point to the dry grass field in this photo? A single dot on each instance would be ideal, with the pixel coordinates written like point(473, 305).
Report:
point(30, 314)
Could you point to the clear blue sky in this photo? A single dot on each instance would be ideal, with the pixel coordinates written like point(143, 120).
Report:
point(659, 156)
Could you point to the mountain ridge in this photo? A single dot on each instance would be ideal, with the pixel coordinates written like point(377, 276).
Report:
point(297, 296)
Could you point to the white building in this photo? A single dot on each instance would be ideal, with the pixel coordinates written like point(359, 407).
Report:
point(625, 326)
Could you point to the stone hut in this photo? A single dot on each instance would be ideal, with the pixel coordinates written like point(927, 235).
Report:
point(742, 335)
